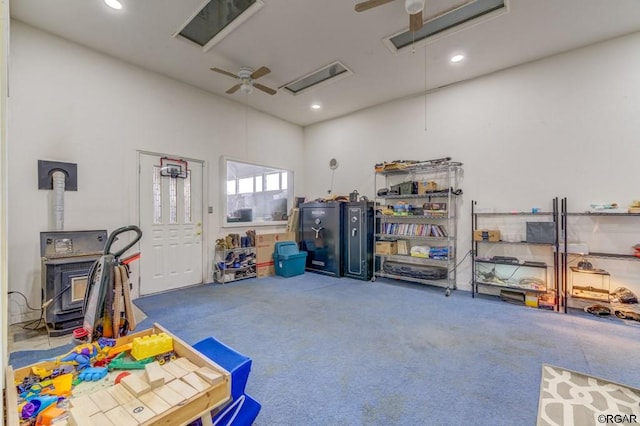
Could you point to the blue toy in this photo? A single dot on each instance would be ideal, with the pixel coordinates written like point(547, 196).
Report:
point(92, 374)
point(36, 405)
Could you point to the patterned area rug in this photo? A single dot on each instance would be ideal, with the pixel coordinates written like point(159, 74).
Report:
point(571, 398)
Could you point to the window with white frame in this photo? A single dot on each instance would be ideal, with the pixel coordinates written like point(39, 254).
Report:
point(256, 194)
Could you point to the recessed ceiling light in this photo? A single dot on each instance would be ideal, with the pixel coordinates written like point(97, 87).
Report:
point(457, 58)
point(114, 4)
point(316, 106)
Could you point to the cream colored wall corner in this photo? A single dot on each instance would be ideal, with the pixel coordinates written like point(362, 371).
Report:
point(4, 54)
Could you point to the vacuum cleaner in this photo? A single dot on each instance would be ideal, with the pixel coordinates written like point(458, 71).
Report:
point(107, 307)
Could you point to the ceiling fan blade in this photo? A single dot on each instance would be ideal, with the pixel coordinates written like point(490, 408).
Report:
point(415, 21)
point(234, 89)
point(366, 5)
point(264, 88)
point(260, 72)
point(227, 73)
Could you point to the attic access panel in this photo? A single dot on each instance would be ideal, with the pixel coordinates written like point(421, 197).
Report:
point(447, 21)
point(216, 19)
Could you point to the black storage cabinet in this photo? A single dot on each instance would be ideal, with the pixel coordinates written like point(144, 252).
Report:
point(320, 236)
point(357, 239)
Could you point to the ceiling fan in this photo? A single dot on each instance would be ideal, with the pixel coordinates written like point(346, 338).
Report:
point(247, 77)
point(413, 7)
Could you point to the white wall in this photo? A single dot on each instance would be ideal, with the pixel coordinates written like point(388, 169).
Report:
point(564, 126)
point(71, 104)
point(4, 52)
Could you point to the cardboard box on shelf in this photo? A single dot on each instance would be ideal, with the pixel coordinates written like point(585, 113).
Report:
point(403, 247)
point(486, 235)
point(531, 300)
point(265, 245)
point(386, 247)
point(427, 186)
point(547, 300)
point(435, 207)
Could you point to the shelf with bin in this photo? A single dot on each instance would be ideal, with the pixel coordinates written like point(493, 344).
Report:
point(614, 256)
point(234, 264)
point(521, 275)
point(538, 274)
point(523, 243)
point(602, 214)
point(420, 207)
point(438, 283)
point(516, 213)
point(408, 208)
point(594, 284)
point(594, 229)
point(406, 258)
point(410, 237)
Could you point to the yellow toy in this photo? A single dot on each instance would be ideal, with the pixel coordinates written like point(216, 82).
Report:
point(41, 372)
point(60, 386)
point(122, 348)
point(148, 346)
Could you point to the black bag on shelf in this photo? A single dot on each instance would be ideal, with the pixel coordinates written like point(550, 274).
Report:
point(422, 272)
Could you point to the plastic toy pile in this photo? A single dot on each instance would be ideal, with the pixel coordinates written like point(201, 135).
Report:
point(44, 394)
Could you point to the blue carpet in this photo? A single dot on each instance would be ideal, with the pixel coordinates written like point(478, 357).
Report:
point(332, 351)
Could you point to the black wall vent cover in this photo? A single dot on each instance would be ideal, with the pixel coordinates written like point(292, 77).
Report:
point(45, 174)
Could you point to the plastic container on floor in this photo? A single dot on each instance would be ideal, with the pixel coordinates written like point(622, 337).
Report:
point(234, 362)
point(242, 410)
point(288, 260)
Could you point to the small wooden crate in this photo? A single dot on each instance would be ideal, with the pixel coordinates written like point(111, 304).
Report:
point(199, 405)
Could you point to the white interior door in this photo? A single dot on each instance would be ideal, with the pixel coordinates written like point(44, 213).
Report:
point(171, 223)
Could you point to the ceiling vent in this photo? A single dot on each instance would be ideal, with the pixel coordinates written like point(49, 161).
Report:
point(216, 19)
point(448, 23)
point(325, 75)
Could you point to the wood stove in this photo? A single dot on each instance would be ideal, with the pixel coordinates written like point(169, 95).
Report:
point(67, 258)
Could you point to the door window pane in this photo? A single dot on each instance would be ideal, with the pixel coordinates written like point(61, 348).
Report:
point(187, 198)
point(173, 200)
point(157, 196)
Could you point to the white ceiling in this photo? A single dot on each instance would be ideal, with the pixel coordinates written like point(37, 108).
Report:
point(295, 37)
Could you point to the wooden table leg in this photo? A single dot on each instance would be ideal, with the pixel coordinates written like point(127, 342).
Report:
point(206, 420)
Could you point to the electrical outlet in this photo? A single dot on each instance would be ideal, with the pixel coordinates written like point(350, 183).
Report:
point(210, 209)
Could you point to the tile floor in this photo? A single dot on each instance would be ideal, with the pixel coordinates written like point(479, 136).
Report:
point(31, 335)
point(22, 337)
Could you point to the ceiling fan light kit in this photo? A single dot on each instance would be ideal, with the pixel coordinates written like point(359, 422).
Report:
point(247, 77)
point(113, 4)
point(413, 7)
